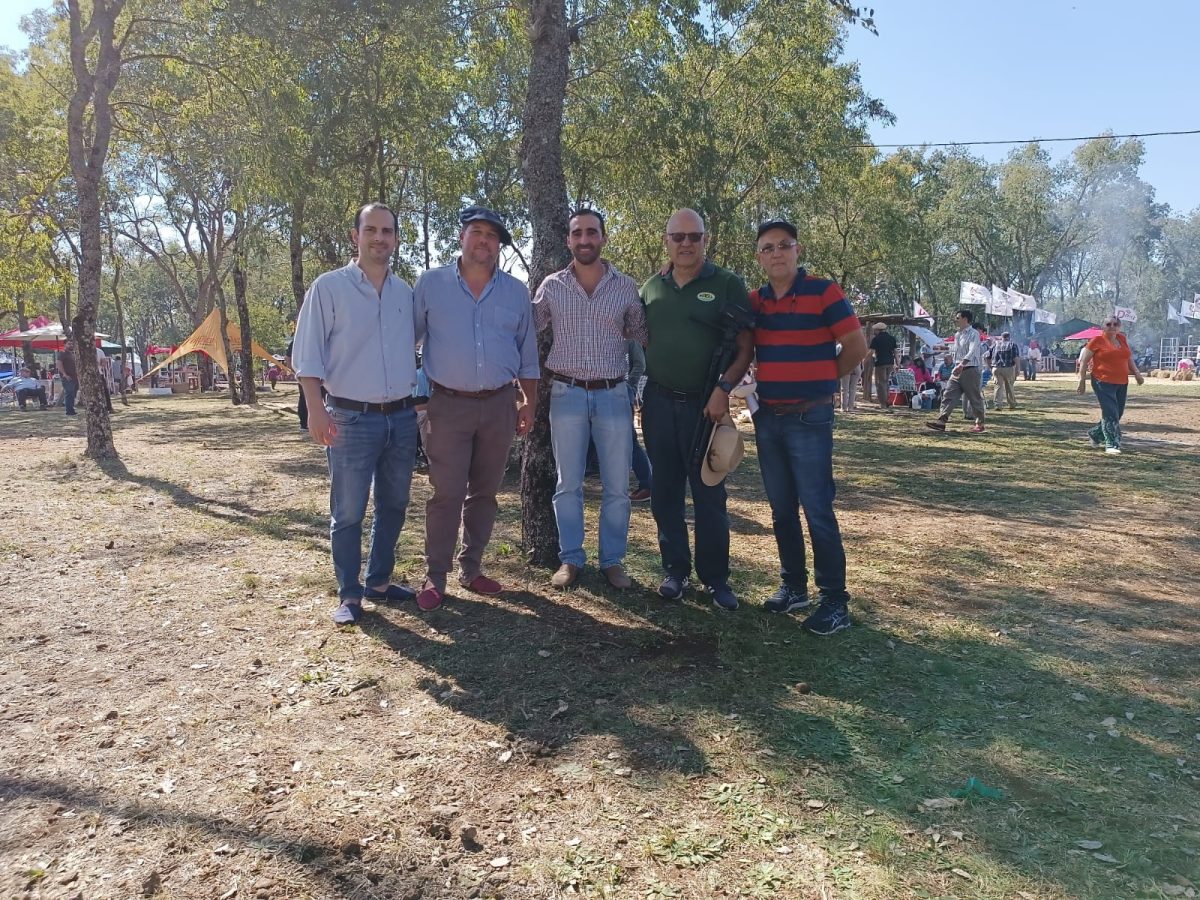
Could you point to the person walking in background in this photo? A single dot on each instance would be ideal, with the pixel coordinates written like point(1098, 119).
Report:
point(1033, 359)
point(594, 312)
point(1111, 363)
point(353, 351)
point(643, 472)
point(849, 386)
point(1004, 369)
point(70, 378)
point(883, 348)
point(964, 383)
point(476, 324)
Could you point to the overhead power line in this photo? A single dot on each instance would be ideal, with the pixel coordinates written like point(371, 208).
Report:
point(1055, 140)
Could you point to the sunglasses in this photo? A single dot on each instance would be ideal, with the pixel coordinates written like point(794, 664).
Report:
point(1112, 324)
point(785, 246)
point(679, 237)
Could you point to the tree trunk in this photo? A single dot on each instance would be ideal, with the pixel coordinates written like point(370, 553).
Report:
point(89, 127)
point(231, 365)
point(116, 292)
point(296, 250)
point(546, 188)
point(23, 325)
point(249, 396)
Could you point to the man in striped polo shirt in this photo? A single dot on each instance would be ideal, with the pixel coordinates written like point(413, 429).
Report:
point(799, 322)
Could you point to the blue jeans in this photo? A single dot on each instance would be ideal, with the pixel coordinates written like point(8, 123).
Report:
point(669, 427)
point(1112, 407)
point(369, 448)
point(577, 417)
point(795, 455)
point(70, 390)
point(642, 469)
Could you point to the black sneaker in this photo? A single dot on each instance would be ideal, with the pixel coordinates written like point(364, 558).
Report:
point(673, 586)
point(787, 600)
point(829, 618)
point(723, 596)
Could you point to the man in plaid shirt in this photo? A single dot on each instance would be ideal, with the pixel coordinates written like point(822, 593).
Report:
point(593, 310)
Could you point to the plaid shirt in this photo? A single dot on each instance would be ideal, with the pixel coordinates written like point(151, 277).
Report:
point(590, 333)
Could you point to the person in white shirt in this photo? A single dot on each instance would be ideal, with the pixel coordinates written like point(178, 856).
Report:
point(964, 380)
point(25, 387)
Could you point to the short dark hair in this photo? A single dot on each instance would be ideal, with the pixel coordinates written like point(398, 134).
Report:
point(371, 207)
point(587, 211)
point(966, 314)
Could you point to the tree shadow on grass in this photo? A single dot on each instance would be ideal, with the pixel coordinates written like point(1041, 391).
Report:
point(339, 870)
point(953, 705)
point(278, 522)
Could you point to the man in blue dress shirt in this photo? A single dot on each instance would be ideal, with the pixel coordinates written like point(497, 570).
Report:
point(354, 355)
point(476, 323)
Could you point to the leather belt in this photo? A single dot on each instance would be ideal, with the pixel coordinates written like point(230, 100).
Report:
point(677, 396)
point(361, 406)
point(470, 395)
point(594, 384)
point(793, 409)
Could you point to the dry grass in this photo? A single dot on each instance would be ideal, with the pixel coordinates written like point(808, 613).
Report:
point(178, 718)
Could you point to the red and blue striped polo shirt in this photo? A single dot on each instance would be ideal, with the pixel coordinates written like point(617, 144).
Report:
point(795, 338)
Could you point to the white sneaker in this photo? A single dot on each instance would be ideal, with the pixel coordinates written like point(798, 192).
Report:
point(1113, 450)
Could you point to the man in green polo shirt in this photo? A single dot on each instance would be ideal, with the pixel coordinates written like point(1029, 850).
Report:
point(683, 318)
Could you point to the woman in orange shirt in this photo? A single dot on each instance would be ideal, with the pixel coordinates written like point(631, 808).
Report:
point(1112, 364)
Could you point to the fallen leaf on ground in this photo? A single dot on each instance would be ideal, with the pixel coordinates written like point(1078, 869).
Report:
point(962, 873)
point(1080, 698)
point(1089, 845)
point(1108, 722)
point(506, 756)
point(816, 804)
point(499, 862)
point(1104, 857)
point(941, 803)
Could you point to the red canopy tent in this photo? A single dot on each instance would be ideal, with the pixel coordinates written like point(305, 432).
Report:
point(1086, 335)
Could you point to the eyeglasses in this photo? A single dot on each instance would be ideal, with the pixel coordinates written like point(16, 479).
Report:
point(785, 246)
point(679, 237)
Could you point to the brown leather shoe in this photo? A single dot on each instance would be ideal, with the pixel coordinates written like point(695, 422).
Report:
point(565, 576)
point(616, 577)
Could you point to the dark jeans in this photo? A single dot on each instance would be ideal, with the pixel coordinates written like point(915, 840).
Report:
point(302, 410)
point(371, 450)
point(642, 469)
point(70, 390)
point(26, 394)
point(668, 427)
point(795, 456)
point(1112, 407)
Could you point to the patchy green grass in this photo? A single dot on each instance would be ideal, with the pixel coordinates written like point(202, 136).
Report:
point(1026, 616)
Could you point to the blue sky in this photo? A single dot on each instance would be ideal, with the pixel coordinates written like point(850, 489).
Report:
point(968, 70)
point(1000, 69)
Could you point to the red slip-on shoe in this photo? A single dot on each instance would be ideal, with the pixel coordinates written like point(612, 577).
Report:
point(429, 598)
point(481, 584)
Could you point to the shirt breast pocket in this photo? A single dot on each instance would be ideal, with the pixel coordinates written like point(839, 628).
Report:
point(506, 321)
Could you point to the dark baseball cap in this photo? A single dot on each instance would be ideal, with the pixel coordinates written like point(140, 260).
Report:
point(777, 223)
point(483, 214)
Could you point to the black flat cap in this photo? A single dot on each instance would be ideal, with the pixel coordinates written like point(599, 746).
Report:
point(777, 223)
point(483, 214)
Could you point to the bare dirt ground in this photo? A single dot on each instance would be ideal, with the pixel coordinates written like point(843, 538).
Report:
point(179, 718)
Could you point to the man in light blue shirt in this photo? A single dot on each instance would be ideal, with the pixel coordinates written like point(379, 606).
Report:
point(476, 323)
point(965, 378)
point(354, 353)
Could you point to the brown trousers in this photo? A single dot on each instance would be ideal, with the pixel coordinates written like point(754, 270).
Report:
point(467, 448)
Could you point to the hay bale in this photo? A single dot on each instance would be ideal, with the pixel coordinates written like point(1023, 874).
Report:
point(1189, 375)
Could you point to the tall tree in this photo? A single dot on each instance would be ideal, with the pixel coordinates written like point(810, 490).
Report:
point(96, 66)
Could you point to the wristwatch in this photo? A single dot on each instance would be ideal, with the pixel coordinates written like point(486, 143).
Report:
point(724, 385)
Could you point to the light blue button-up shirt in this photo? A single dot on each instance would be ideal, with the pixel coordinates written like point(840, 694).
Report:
point(361, 344)
point(475, 345)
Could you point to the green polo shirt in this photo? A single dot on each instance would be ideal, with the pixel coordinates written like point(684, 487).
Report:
point(680, 350)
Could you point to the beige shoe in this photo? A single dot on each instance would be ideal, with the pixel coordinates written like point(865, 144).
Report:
point(616, 577)
point(565, 576)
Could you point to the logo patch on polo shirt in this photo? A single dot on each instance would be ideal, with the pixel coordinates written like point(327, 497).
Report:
point(706, 296)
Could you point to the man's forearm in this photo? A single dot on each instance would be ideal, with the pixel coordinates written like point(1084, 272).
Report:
point(529, 387)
